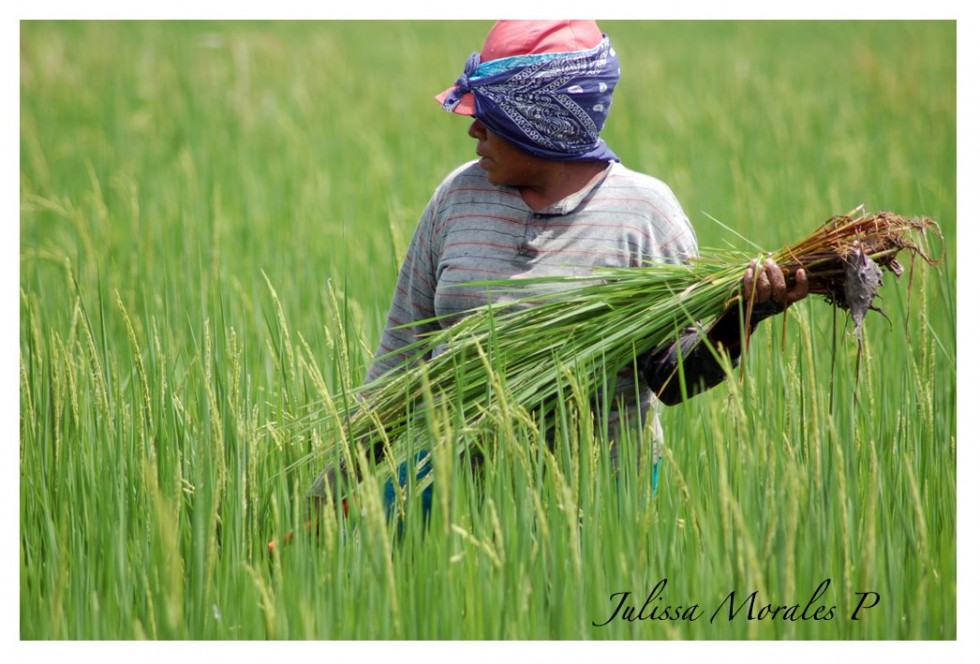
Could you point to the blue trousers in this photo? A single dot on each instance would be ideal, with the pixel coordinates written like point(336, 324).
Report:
point(426, 468)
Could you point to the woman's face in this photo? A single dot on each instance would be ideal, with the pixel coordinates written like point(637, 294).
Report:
point(504, 163)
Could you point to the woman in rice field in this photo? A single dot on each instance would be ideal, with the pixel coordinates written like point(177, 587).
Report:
point(548, 197)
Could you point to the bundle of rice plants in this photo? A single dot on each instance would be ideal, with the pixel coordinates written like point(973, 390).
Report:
point(577, 335)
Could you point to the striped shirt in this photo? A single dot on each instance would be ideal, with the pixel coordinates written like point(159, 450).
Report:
point(472, 231)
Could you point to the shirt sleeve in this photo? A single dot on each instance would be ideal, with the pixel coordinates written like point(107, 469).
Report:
point(685, 367)
point(412, 305)
point(689, 365)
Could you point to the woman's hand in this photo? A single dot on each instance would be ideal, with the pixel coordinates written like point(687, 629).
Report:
point(768, 285)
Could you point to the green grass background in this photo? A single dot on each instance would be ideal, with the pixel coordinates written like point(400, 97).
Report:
point(212, 219)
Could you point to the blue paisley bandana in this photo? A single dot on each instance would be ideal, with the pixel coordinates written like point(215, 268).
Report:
point(552, 105)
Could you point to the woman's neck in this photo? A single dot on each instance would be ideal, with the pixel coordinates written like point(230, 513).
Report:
point(559, 180)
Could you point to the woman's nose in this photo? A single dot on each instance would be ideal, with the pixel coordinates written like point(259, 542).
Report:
point(477, 130)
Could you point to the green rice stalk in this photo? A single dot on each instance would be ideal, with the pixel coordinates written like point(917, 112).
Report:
point(587, 328)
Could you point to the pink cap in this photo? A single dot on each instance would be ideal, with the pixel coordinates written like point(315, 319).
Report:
point(510, 38)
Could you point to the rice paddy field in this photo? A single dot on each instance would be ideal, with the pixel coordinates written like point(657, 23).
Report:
point(212, 217)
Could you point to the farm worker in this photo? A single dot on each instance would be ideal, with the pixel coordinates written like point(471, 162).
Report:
point(548, 197)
